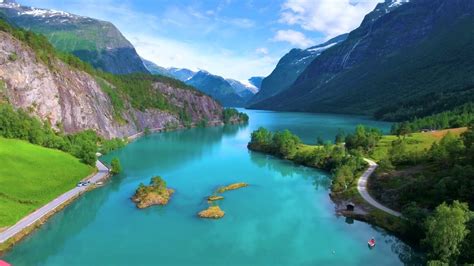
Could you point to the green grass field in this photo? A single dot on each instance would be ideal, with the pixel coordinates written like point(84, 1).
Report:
point(416, 142)
point(31, 176)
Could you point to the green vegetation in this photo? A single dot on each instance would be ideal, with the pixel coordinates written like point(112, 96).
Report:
point(343, 163)
point(420, 174)
point(231, 115)
point(446, 230)
point(17, 124)
point(111, 145)
point(137, 89)
point(31, 176)
point(116, 166)
point(461, 116)
point(13, 57)
point(154, 194)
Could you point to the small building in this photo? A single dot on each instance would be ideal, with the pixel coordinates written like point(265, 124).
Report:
point(350, 206)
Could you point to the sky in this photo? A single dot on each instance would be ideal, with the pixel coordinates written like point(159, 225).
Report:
point(231, 38)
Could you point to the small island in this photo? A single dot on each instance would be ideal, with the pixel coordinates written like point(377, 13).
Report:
point(154, 194)
point(231, 187)
point(214, 198)
point(213, 212)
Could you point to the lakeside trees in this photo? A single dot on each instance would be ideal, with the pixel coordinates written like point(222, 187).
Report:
point(343, 164)
point(446, 230)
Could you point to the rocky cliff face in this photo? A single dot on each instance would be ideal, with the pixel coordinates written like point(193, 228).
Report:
point(97, 42)
point(73, 100)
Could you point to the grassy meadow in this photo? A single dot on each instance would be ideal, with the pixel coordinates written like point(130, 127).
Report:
point(31, 176)
point(417, 142)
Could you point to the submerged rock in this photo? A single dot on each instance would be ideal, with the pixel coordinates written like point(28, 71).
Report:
point(214, 198)
point(231, 187)
point(213, 212)
point(154, 194)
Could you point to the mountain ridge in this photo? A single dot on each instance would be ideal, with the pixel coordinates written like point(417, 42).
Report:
point(388, 57)
point(95, 41)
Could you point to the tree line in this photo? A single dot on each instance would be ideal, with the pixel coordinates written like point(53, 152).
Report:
point(18, 124)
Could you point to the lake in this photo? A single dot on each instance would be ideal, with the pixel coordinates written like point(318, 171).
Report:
point(285, 216)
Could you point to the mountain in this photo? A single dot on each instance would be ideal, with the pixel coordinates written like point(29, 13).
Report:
point(407, 59)
point(229, 92)
point(72, 96)
point(256, 81)
point(156, 69)
point(97, 42)
point(217, 87)
point(242, 86)
point(182, 74)
point(290, 66)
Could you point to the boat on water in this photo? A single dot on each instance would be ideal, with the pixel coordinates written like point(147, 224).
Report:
point(371, 242)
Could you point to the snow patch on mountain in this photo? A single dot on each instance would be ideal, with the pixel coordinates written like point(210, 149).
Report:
point(396, 3)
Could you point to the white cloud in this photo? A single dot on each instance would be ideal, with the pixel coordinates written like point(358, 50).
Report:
point(330, 17)
point(172, 53)
point(262, 51)
point(296, 38)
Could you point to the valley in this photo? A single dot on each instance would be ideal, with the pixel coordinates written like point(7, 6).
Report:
point(185, 132)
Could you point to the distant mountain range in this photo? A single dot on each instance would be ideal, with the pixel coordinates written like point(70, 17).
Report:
point(290, 66)
point(229, 92)
point(407, 59)
point(97, 42)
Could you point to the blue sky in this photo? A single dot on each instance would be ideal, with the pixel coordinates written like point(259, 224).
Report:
point(232, 38)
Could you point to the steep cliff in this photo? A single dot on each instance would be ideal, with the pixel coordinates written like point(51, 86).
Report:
point(74, 100)
point(97, 42)
point(403, 54)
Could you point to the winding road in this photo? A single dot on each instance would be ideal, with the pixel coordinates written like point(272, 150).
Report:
point(32, 218)
point(362, 188)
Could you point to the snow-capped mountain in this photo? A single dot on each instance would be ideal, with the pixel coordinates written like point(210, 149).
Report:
point(97, 42)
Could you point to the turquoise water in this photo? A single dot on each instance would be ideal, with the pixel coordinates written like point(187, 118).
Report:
point(284, 217)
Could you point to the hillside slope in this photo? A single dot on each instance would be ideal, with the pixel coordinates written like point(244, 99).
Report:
point(97, 42)
point(416, 55)
point(290, 66)
point(31, 176)
point(73, 100)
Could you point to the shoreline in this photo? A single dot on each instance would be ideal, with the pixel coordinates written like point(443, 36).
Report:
point(9, 236)
point(15, 233)
point(364, 211)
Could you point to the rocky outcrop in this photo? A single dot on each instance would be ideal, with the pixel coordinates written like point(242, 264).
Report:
point(72, 100)
point(154, 194)
point(231, 187)
point(213, 212)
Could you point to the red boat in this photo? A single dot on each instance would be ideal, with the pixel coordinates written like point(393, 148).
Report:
point(4, 263)
point(371, 243)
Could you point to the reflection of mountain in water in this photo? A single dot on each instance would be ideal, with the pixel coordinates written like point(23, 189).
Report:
point(161, 150)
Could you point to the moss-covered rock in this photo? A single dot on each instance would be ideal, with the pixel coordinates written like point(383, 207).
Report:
point(213, 212)
point(231, 187)
point(155, 194)
point(214, 198)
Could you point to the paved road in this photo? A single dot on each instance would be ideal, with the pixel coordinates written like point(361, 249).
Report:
point(362, 187)
point(51, 206)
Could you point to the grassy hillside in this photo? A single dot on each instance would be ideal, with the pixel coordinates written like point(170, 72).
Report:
point(416, 142)
point(31, 176)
